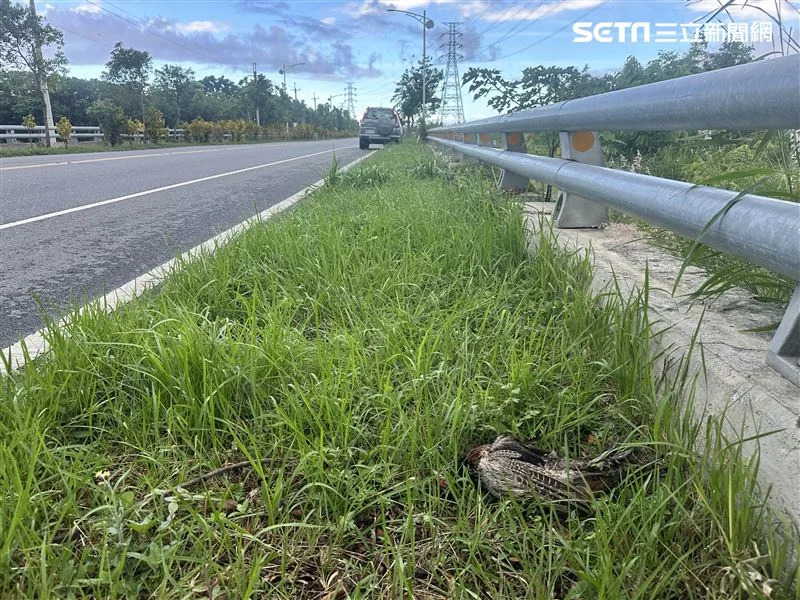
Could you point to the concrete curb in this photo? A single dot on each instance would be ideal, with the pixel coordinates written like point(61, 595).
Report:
point(732, 377)
point(35, 344)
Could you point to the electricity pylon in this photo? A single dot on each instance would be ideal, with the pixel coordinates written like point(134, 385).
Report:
point(350, 99)
point(452, 106)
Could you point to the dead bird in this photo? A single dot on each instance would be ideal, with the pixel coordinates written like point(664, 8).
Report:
point(508, 467)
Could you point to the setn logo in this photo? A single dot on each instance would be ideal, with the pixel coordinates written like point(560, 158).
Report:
point(602, 31)
point(607, 32)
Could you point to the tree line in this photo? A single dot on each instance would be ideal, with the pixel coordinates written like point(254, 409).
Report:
point(130, 87)
point(542, 85)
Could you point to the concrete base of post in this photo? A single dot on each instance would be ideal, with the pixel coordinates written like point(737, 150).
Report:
point(514, 142)
point(783, 352)
point(575, 211)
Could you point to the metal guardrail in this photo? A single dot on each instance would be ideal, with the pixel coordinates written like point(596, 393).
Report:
point(761, 230)
point(761, 95)
point(79, 132)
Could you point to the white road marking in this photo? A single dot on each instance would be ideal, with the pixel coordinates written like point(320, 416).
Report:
point(35, 344)
point(75, 209)
point(107, 158)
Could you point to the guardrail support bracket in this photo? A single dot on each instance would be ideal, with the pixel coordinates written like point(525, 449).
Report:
point(469, 138)
point(514, 142)
point(575, 211)
point(783, 352)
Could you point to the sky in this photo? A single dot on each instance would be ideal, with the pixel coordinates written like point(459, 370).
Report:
point(360, 41)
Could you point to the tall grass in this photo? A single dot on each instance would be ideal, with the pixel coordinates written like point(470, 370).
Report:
point(351, 351)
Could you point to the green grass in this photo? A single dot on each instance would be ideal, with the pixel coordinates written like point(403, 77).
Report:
point(352, 350)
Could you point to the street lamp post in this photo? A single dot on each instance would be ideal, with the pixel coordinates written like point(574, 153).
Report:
point(426, 24)
point(282, 71)
point(285, 68)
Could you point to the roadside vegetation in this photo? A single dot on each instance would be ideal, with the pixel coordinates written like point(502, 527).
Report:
point(339, 360)
point(765, 163)
point(9, 150)
point(132, 98)
point(761, 162)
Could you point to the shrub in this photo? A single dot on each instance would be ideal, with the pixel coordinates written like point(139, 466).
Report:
point(112, 120)
point(199, 130)
point(29, 123)
point(155, 127)
point(133, 129)
point(64, 130)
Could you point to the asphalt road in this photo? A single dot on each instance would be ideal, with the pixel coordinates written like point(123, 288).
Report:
point(74, 226)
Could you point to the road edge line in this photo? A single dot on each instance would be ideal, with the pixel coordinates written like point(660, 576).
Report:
point(35, 345)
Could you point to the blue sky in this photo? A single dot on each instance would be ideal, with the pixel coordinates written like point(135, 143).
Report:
point(359, 41)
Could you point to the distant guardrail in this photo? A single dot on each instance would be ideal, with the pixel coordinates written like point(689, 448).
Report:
point(19, 133)
point(761, 230)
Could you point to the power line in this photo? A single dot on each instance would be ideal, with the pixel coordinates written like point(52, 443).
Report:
point(452, 105)
point(506, 18)
point(473, 18)
point(161, 37)
point(515, 29)
point(104, 44)
point(550, 35)
point(525, 23)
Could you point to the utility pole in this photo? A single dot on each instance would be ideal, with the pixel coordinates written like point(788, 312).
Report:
point(285, 68)
point(426, 24)
point(255, 94)
point(282, 71)
point(314, 98)
point(350, 99)
point(424, 66)
point(452, 105)
point(49, 125)
point(295, 92)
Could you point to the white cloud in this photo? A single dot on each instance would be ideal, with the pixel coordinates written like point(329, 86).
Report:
point(746, 11)
point(371, 7)
point(518, 13)
point(740, 6)
point(201, 27)
point(328, 21)
point(474, 8)
point(86, 9)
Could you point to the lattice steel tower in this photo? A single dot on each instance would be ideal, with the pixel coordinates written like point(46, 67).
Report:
point(452, 107)
point(350, 99)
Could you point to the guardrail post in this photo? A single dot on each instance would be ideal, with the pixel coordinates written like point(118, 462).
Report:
point(514, 142)
point(575, 211)
point(469, 138)
point(783, 352)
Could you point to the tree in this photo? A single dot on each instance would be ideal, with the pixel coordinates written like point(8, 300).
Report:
point(130, 68)
point(154, 127)
point(18, 96)
point(22, 36)
point(539, 86)
point(218, 85)
point(133, 129)
point(177, 83)
point(408, 92)
point(72, 97)
point(64, 131)
point(111, 119)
